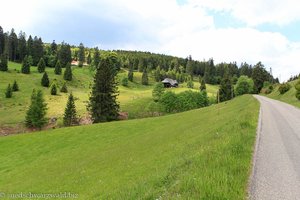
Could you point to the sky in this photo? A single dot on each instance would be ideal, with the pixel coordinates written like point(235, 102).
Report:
point(225, 30)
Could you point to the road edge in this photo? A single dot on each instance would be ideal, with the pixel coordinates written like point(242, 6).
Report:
point(250, 187)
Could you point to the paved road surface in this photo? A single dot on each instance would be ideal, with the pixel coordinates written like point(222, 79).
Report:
point(276, 173)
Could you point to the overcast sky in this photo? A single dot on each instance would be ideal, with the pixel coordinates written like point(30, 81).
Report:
point(227, 30)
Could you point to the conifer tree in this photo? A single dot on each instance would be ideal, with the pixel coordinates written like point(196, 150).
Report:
point(202, 86)
point(81, 55)
point(15, 86)
point(53, 89)
point(103, 104)
point(57, 69)
point(145, 77)
point(25, 66)
point(45, 80)
point(3, 62)
point(8, 92)
point(157, 74)
point(96, 59)
point(41, 66)
point(64, 88)
point(68, 75)
point(36, 114)
point(130, 74)
point(226, 88)
point(70, 116)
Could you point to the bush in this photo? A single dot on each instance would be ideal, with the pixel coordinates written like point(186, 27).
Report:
point(284, 87)
point(190, 84)
point(124, 81)
point(158, 91)
point(15, 86)
point(169, 101)
point(8, 92)
point(244, 85)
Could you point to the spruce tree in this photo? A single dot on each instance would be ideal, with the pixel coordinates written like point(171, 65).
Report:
point(70, 117)
point(41, 66)
point(3, 63)
point(25, 66)
point(81, 55)
point(226, 88)
point(68, 76)
point(15, 86)
point(202, 86)
point(53, 89)
point(57, 69)
point(45, 80)
point(64, 88)
point(36, 114)
point(96, 59)
point(8, 92)
point(103, 104)
point(130, 74)
point(145, 77)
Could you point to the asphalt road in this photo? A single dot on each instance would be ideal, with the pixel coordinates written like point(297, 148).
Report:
point(276, 172)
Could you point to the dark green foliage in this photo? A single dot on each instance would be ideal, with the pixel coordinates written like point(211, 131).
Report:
point(183, 101)
point(45, 80)
point(145, 77)
point(12, 45)
point(158, 91)
point(26, 66)
point(89, 59)
point(284, 87)
point(190, 84)
point(8, 92)
point(15, 86)
point(53, 89)
point(103, 104)
point(244, 85)
point(157, 74)
point(202, 85)
point(68, 75)
point(259, 76)
point(64, 88)
point(22, 49)
point(2, 41)
point(70, 116)
point(124, 81)
point(41, 66)
point(64, 54)
point(81, 55)
point(37, 50)
point(297, 87)
point(36, 114)
point(130, 74)
point(190, 66)
point(96, 59)
point(58, 69)
point(226, 89)
point(3, 63)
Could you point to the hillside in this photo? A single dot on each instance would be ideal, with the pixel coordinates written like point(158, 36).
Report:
point(133, 99)
point(288, 97)
point(204, 153)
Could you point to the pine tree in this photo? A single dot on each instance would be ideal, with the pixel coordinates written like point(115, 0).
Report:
point(96, 59)
point(41, 66)
point(70, 117)
point(3, 63)
point(68, 75)
point(226, 88)
point(64, 88)
point(45, 80)
point(81, 55)
point(64, 54)
point(103, 104)
point(57, 69)
point(15, 86)
point(53, 89)
point(130, 74)
point(145, 77)
point(8, 92)
point(36, 114)
point(89, 59)
point(25, 66)
point(202, 86)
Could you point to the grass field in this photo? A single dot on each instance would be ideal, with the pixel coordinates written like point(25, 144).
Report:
point(133, 99)
point(199, 154)
point(288, 97)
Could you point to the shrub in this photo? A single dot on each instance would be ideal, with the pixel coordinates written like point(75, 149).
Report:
point(284, 87)
point(8, 92)
point(158, 91)
point(169, 101)
point(15, 86)
point(124, 81)
point(244, 85)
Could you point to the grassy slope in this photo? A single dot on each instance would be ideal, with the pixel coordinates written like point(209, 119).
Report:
point(190, 155)
point(288, 97)
point(133, 99)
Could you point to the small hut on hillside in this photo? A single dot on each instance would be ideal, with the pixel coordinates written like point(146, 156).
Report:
point(170, 83)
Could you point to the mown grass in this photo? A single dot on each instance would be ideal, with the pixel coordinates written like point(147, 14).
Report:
point(12, 111)
point(288, 97)
point(199, 154)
